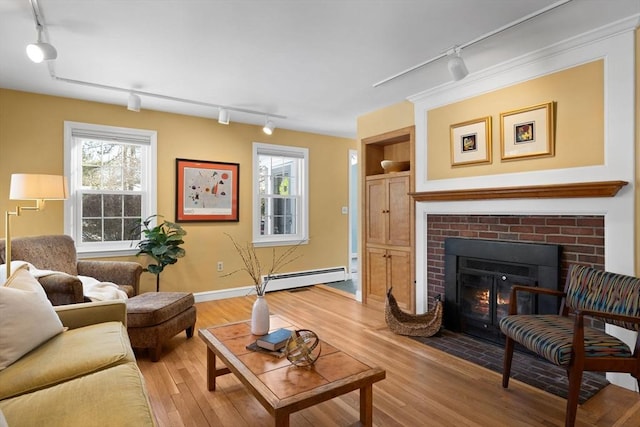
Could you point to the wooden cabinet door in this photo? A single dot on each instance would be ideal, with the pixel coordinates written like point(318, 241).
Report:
point(399, 274)
point(376, 206)
point(399, 212)
point(376, 260)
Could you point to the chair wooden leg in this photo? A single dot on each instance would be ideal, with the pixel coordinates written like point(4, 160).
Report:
point(575, 381)
point(508, 356)
point(189, 332)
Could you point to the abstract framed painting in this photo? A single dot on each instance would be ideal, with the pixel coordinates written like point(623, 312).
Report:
point(471, 142)
point(528, 132)
point(207, 190)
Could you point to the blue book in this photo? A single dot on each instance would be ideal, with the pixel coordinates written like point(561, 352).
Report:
point(275, 340)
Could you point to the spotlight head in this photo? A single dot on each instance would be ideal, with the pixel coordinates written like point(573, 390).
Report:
point(223, 116)
point(268, 127)
point(134, 102)
point(456, 65)
point(41, 51)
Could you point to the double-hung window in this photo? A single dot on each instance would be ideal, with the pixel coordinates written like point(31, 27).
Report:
point(280, 189)
point(112, 186)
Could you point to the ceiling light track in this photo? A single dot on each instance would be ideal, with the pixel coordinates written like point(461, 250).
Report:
point(476, 40)
point(165, 97)
point(134, 100)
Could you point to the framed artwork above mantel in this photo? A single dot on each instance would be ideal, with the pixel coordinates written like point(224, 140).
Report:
point(528, 132)
point(471, 142)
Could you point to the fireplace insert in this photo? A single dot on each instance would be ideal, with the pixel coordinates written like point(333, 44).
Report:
point(479, 275)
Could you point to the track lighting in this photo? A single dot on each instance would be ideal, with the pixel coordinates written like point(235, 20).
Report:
point(134, 102)
point(223, 116)
point(268, 127)
point(456, 64)
point(41, 51)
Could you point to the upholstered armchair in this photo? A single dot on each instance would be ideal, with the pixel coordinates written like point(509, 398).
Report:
point(567, 340)
point(58, 253)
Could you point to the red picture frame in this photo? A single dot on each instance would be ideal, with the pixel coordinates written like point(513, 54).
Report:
point(207, 191)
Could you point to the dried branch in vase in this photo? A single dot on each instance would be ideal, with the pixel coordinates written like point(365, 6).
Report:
point(253, 267)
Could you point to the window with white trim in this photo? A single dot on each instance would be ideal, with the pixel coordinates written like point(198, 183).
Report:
point(112, 186)
point(280, 189)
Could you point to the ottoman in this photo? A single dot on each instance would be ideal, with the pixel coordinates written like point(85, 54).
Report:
point(155, 317)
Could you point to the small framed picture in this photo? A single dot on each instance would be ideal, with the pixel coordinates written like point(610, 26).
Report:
point(207, 191)
point(471, 142)
point(528, 132)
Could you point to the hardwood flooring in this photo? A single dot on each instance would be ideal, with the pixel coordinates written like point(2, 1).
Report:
point(423, 386)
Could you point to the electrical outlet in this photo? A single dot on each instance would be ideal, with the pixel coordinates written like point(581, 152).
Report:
point(220, 266)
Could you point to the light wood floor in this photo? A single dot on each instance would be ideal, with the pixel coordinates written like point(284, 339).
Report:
point(423, 387)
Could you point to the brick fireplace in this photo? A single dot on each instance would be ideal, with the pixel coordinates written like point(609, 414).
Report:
point(580, 237)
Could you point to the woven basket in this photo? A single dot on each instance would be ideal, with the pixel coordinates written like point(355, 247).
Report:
point(414, 325)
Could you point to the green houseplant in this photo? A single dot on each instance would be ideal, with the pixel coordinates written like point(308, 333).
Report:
point(162, 244)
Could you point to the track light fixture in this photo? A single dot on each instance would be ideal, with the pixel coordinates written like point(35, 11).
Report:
point(134, 102)
point(223, 116)
point(456, 64)
point(268, 127)
point(41, 51)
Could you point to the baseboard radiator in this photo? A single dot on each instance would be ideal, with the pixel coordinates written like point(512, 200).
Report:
point(300, 279)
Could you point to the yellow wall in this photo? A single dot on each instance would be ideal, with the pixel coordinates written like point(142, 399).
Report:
point(396, 116)
point(579, 96)
point(31, 141)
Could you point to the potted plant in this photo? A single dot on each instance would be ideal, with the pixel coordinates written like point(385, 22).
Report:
point(162, 244)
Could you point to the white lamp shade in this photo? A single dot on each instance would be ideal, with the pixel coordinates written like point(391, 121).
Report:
point(38, 52)
point(457, 68)
point(38, 187)
point(223, 116)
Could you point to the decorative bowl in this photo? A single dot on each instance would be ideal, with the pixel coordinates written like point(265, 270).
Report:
point(390, 166)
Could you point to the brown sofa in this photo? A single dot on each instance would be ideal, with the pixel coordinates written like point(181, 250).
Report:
point(58, 253)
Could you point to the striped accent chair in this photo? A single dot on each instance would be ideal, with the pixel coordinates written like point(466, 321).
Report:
point(564, 339)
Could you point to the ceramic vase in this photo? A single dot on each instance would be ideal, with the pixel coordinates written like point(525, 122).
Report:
point(260, 316)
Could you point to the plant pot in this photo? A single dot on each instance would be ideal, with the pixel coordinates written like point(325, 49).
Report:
point(260, 316)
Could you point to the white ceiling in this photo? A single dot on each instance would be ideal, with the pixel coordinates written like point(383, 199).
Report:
point(313, 61)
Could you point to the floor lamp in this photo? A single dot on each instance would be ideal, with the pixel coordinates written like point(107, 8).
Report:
point(31, 187)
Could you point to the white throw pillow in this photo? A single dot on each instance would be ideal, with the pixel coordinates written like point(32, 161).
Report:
point(22, 279)
point(27, 318)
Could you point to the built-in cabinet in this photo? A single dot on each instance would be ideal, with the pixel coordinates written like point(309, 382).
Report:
point(388, 218)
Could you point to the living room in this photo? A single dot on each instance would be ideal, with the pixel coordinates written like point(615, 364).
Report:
point(29, 148)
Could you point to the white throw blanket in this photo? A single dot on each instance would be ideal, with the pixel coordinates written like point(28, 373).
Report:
point(92, 288)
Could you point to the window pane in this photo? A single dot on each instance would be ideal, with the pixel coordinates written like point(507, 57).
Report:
point(133, 205)
point(132, 167)
point(91, 230)
point(132, 228)
point(91, 178)
point(112, 177)
point(278, 216)
point(91, 205)
point(113, 230)
point(112, 205)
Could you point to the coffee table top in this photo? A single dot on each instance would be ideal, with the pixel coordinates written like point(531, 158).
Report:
point(275, 380)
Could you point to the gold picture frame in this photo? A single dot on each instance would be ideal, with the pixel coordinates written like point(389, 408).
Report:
point(528, 132)
point(471, 142)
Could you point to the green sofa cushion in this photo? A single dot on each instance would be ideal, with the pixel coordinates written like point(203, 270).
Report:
point(68, 355)
point(114, 397)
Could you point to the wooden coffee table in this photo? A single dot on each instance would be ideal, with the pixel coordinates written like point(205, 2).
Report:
point(278, 385)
